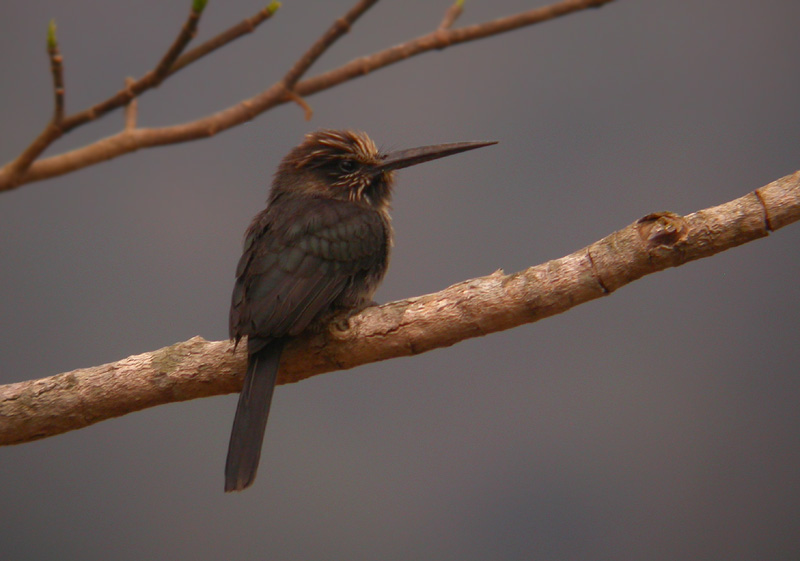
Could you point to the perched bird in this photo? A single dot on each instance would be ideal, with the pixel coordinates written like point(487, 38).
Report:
point(319, 249)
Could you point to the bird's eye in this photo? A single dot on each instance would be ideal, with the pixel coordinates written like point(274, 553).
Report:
point(347, 166)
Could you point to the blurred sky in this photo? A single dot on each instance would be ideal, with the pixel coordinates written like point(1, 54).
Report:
point(659, 423)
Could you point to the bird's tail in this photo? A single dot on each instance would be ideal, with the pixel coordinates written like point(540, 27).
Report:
point(250, 421)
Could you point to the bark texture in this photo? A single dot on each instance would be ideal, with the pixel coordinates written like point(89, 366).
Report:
point(199, 368)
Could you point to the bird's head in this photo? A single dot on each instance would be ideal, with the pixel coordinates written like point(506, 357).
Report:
point(347, 165)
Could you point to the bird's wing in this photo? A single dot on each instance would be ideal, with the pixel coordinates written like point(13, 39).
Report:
point(299, 256)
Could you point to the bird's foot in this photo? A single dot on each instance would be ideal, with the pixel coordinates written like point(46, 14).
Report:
point(341, 321)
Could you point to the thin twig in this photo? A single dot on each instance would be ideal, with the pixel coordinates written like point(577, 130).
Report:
point(129, 141)
point(307, 111)
point(131, 109)
point(438, 40)
point(340, 27)
point(14, 172)
point(187, 33)
point(146, 82)
point(451, 15)
point(197, 368)
point(57, 69)
point(242, 28)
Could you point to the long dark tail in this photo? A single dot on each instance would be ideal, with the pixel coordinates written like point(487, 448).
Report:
point(250, 421)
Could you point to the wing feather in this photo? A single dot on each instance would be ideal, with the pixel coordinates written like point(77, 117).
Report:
point(298, 258)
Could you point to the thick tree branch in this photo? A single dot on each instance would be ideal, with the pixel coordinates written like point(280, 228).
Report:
point(199, 368)
point(286, 90)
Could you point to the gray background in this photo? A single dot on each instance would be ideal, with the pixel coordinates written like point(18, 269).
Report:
point(659, 423)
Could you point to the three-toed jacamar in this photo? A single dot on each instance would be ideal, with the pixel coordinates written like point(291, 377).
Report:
point(319, 249)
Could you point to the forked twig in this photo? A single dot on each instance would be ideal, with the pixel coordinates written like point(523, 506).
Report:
point(339, 28)
point(441, 39)
point(15, 170)
point(59, 125)
point(187, 33)
point(127, 141)
point(248, 25)
point(146, 82)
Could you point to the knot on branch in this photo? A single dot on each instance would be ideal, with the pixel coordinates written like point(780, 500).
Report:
point(444, 38)
point(662, 229)
point(343, 25)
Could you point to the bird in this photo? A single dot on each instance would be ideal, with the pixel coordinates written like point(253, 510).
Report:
point(318, 251)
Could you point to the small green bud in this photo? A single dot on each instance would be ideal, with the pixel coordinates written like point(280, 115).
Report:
point(273, 7)
point(52, 42)
point(199, 5)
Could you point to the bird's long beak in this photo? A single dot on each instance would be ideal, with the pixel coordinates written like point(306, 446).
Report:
point(414, 156)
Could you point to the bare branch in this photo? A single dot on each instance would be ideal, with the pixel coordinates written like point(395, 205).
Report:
point(150, 80)
point(129, 141)
point(307, 111)
point(242, 28)
point(131, 109)
point(57, 69)
point(198, 368)
point(451, 15)
point(15, 170)
point(340, 27)
point(13, 174)
point(187, 33)
point(438, 40)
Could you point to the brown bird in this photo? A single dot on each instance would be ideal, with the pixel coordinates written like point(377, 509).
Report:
point(318, 250)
